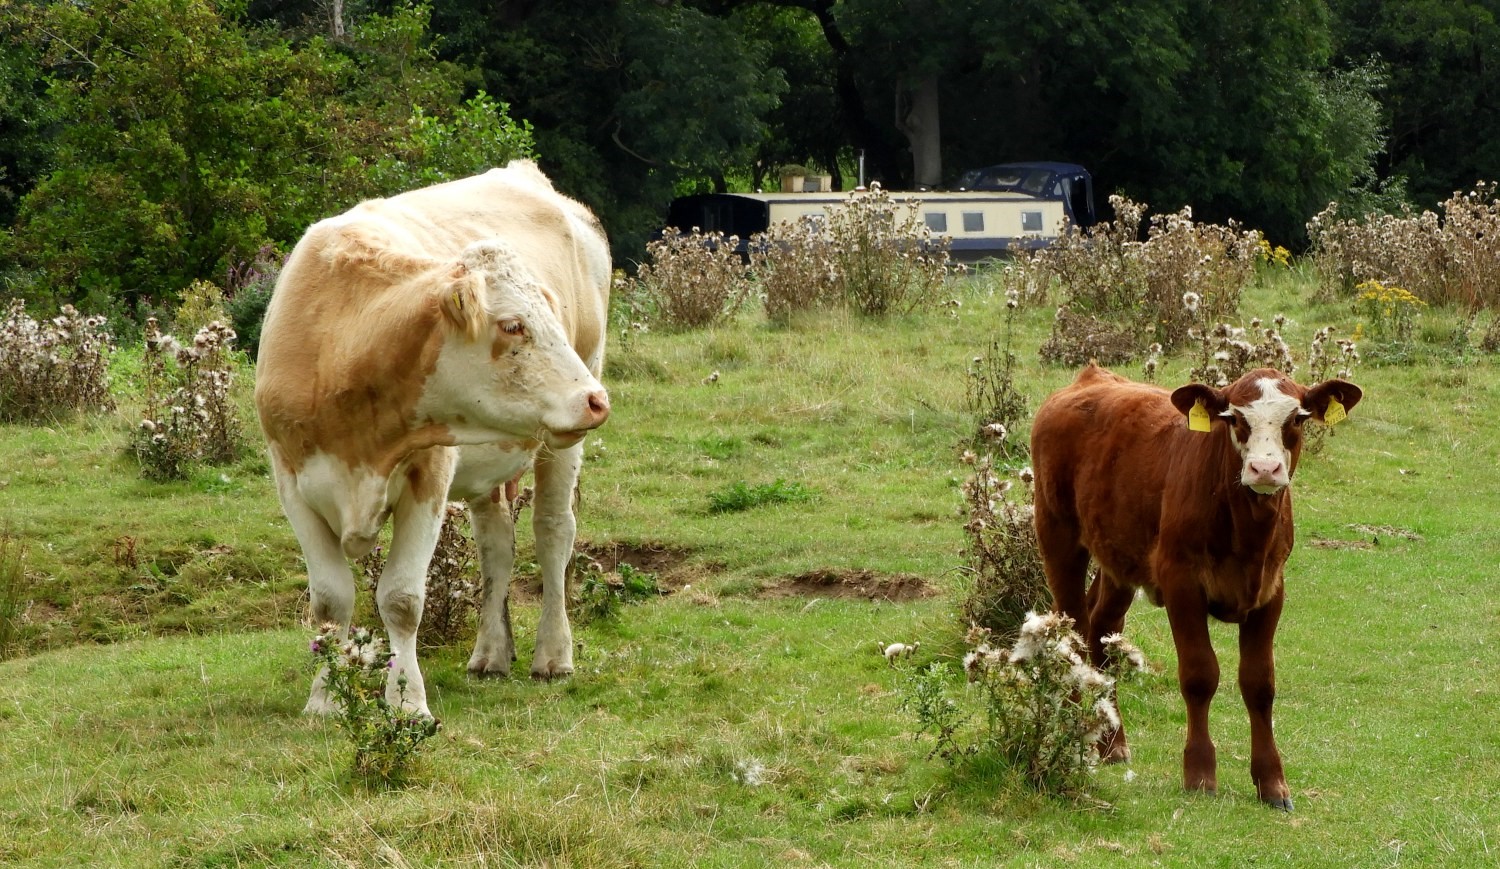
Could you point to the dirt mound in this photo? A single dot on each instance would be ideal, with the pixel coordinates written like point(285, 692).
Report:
point(863, 584)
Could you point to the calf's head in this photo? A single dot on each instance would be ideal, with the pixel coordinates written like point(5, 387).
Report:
point(1262, 415)
point(508, 365)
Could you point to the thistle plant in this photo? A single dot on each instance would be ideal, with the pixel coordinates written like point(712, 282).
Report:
point(990, 393)
point(886, 258)
point(1000, 551)
point(793, 265)
point(694, 279)
point(190, 414)
point(386, 736)
point(1442, 259)
point(451, 600)
point(1226, 352)
point(1042, 707)
point(1121, 294)
point(52, 368)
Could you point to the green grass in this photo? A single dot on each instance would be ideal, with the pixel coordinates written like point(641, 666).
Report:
point(155, 720)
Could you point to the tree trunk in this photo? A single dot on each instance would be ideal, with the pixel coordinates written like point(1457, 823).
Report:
point(917, 118)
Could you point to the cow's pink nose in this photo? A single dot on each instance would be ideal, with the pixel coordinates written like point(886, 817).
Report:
point(598, 408)
point(1265, 469)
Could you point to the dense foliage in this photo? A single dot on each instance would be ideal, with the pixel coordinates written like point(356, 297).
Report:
point(145, 145)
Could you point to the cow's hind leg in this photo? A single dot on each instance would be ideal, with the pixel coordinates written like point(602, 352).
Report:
point(1066, 563)
point(495, 534)
point(556, 473)
point(1108, 602)
point(330, 583)
point(1198, 680)
point(1258, 687)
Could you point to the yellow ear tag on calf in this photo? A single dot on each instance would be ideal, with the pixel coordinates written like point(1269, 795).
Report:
point(1198, 417)
point(458, 302)
point(1335, 413)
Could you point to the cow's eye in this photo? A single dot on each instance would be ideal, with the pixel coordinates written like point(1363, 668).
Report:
point(512, 326)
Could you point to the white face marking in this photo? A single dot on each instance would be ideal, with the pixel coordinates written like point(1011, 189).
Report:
point(1267, 462)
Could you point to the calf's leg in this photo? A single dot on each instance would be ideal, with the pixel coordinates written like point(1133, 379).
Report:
point(1108, 603)
point(1198, 680)
point(1258, 686)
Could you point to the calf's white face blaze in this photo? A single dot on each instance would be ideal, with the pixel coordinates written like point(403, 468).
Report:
point(1267, 463)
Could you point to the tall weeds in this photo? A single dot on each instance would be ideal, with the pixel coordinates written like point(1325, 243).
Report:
point(50, 369)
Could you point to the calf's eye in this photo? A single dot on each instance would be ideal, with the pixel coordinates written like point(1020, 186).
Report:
point(512, 327)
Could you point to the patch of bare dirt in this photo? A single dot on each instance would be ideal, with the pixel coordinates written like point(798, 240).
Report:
point(863, 584)
point(673, 567)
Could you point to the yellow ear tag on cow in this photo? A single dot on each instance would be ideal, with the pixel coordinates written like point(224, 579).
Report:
point(1335, 413)
point(458, 302)
point(1198, 417)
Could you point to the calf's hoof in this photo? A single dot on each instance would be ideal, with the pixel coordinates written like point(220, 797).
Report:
point(1282, 803)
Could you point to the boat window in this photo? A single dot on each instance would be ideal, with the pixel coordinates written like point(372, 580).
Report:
point(1031, 221)
point(973, 221)
point(937, 221)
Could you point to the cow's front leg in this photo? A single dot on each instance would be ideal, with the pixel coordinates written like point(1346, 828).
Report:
point(1198, 680)
point(330, 583)
point(554, 526)
point(1258, 687)
point(495, 535)
point(416, 522)
point(1108, 602)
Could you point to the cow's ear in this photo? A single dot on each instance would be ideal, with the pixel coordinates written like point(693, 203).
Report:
point(462, 302)
point(1185, 398)
point(1338, 395)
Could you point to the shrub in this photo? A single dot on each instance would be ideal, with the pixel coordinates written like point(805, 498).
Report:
point(53, 368)
point(1226, 352)
point(884, 255)
point(386, 737)
point(190, 414)
point(249, 286)
point(793, 265)
point(1447, 259)
point(451, 601)
point(693, 280)
point(1077, 339)
point(1124, 294)
point(1000, 553)
point(1391, 312)
point(1044, 708)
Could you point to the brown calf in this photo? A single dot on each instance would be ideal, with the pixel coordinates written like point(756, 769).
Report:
point(1186, 495)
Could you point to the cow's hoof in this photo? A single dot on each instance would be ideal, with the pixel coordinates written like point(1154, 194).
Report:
point(485, 668)
point(319, 707)
point(551, 670)
point(1283, 803)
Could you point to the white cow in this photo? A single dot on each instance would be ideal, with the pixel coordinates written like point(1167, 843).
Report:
point(429, 346)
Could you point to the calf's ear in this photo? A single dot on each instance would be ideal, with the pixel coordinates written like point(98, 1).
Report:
point(1186, 397)
point(1317, 399)
point(462, 302)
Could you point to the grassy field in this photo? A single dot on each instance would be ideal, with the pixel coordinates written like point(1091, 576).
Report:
point(746, 719)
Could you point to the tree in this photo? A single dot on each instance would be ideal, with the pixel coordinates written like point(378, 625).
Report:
point(1442, 103)
point(188, 141)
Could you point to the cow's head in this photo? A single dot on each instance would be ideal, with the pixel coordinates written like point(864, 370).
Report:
point(1263, 413)
point(507, 365)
